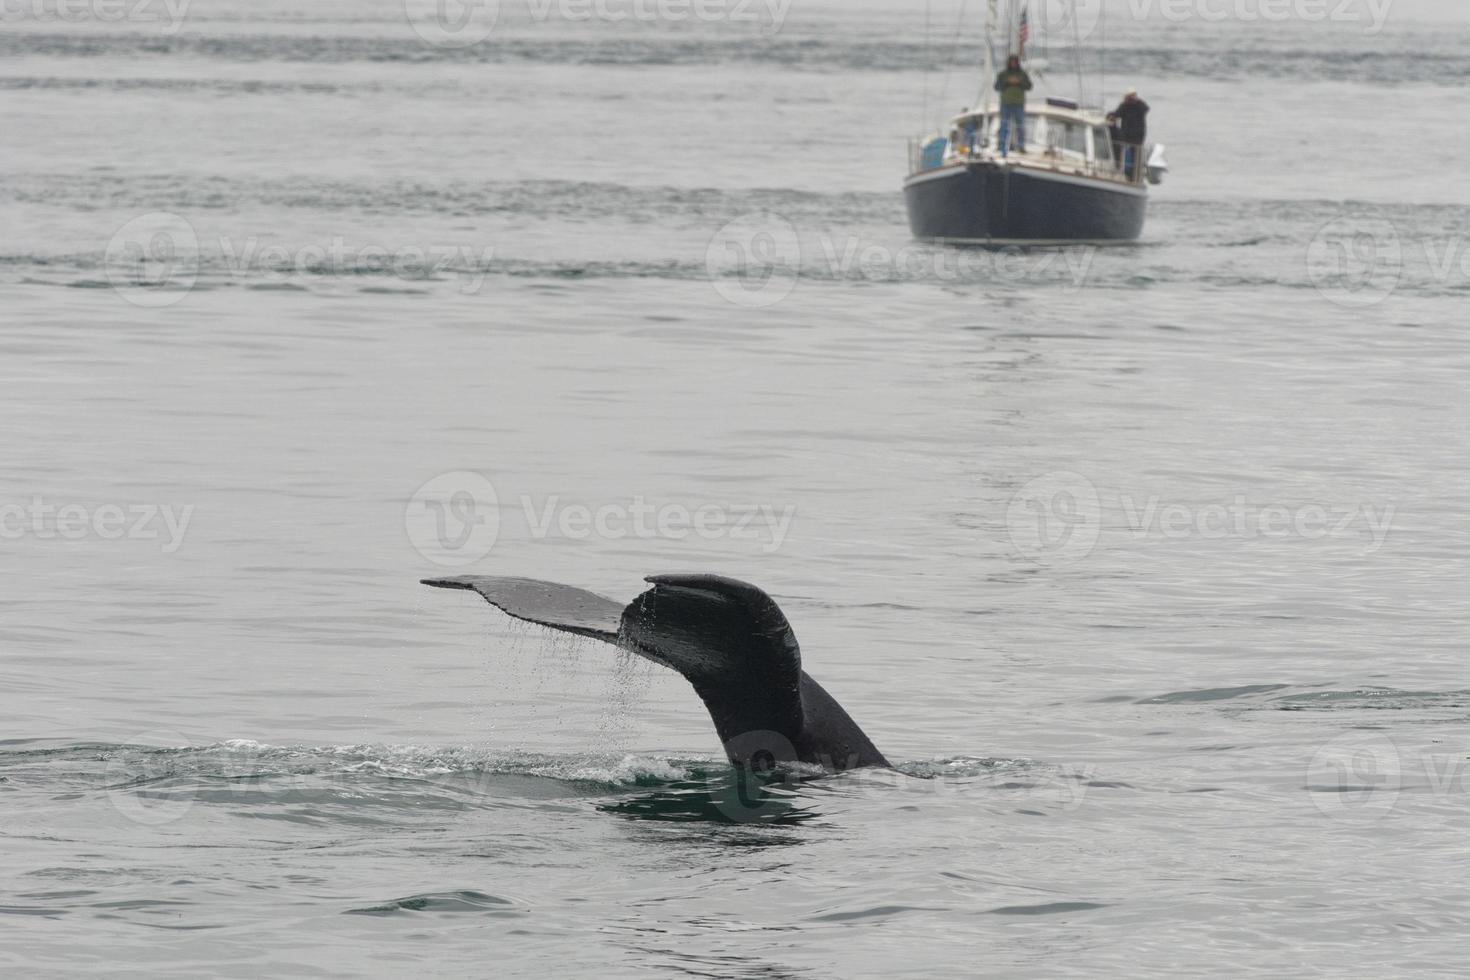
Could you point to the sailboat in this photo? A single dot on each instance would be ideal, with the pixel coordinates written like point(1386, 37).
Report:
point(1072, 185)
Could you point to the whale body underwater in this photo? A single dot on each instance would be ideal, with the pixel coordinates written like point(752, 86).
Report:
point(728, 639)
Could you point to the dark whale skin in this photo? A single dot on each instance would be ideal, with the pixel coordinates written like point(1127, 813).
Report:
point(728, 639)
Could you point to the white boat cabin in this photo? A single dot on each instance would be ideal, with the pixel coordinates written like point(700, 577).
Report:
point(1058, 136)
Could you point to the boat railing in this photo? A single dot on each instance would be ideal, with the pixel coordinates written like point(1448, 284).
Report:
point(1131, 162)
point(1128, 162)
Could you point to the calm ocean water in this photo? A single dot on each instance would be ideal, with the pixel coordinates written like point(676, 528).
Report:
point(1147, 566)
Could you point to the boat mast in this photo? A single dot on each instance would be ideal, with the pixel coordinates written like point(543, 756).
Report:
point(987, 84)
point(1077, 47)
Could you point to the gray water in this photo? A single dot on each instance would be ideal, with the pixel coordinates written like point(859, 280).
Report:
point(1146, 566)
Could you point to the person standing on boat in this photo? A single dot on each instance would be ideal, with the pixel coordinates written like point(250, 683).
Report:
point(1013, 83)
point(1131, 117)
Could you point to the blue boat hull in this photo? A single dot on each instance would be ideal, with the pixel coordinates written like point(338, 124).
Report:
point(986, 203)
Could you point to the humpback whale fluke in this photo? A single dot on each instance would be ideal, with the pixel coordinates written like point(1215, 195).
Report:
point(730, 641)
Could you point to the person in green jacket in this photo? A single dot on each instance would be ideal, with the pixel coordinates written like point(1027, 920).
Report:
point(1013, 83)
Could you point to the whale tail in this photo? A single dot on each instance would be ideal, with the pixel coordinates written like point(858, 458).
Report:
point(727, 638)
point(544, 603)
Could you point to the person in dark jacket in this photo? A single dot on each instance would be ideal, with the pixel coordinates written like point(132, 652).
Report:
point(1131, 118)
point(1013, 83)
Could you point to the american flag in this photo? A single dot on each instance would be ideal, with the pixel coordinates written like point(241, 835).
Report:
point(1024, 33)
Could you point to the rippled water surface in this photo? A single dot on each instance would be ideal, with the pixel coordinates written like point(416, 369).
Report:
point(1145, 566)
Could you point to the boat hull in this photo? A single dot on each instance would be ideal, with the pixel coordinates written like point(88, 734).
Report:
point(997, 204)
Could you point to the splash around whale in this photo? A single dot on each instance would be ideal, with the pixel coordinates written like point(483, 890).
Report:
point(728, 639)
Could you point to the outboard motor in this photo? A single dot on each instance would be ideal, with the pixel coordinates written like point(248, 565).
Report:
point(1157, 165)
